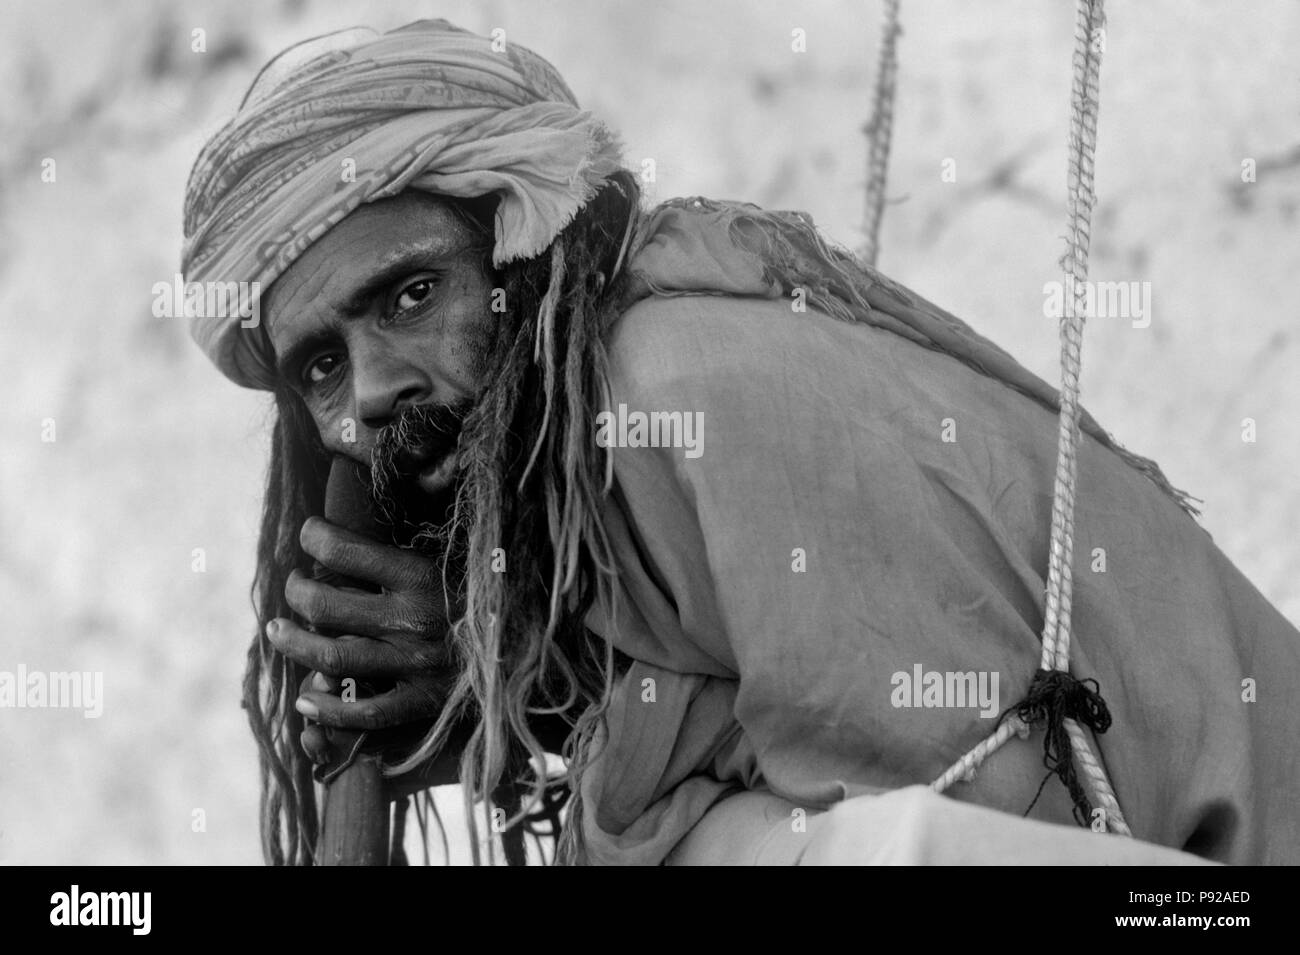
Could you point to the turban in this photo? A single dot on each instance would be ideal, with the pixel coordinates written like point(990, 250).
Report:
point(357, 116)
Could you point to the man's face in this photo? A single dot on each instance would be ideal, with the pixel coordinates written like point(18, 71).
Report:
point(388, 311)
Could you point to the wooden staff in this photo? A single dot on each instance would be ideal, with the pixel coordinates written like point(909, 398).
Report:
point(355, 824)
point(354, 830)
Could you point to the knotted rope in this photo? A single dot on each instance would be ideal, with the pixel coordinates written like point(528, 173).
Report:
point(879, 130)
point(1055, 696)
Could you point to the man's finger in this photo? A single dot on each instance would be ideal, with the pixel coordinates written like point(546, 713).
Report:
point(353, 656)
point(355, 555)
point(357, 612)
point(316, 680)
point(315, 744)
point(406, 703)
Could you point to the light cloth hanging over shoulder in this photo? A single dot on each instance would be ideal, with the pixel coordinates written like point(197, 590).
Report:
point(829, 538)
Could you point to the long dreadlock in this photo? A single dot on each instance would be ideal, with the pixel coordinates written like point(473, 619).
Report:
point(531, 483)
point(295, 490)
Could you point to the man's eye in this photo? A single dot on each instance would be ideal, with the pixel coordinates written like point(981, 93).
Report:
point(413, 294)
point(320, 369)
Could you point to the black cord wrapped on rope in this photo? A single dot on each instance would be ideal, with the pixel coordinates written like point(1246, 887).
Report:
point(1053, 697)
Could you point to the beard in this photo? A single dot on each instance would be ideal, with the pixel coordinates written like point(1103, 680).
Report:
point(420, 438)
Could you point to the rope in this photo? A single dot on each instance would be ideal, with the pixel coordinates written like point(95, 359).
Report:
point(879, 130)
point(1053, 679)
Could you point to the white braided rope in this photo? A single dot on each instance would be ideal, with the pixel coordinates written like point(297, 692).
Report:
point(1084, 105)
point(1093, 776)
point(880, 130)
point(964, 769)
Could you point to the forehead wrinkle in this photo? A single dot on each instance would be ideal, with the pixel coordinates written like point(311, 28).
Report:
point(404, 253)
point(345, 301)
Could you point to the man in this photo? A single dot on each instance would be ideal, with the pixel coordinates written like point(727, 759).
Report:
point(742, 527)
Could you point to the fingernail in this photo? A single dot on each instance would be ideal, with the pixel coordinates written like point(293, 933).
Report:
point(307, 708)
point(272, 627)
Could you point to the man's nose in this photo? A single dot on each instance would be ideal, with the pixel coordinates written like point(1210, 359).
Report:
point(384, 384)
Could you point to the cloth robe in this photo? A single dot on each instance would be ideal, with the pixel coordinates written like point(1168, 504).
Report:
point(919, 493)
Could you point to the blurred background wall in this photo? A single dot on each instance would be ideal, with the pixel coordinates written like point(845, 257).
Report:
point(155, 455)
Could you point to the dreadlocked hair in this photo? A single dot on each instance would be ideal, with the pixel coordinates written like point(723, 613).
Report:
point(295, 490)
point(531, 482)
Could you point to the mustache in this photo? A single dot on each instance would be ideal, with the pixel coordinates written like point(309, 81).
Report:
point(420, 437)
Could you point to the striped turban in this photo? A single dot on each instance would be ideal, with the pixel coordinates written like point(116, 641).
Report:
point(357, 116)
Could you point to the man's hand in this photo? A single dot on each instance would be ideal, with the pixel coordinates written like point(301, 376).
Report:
point(393, 641)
